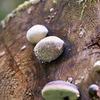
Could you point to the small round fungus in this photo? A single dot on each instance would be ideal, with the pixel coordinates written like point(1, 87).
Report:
point(92, 90)
point(60, 90)
point(49, 48)
point(97, 66)
point(36, 33)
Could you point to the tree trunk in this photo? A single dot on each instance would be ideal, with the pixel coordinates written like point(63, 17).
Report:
point(22, 75)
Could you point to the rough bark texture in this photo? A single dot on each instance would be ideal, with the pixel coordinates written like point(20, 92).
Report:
point(22, 75)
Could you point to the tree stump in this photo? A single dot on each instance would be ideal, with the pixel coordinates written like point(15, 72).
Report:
point(22, 75)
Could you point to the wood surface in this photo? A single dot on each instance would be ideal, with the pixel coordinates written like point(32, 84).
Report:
point(22, 75)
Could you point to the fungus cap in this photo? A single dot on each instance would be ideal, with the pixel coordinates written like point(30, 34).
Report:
point(97, 66)
point(49, 48)
point(92, 90)
point(59, 90)
point(36, 33)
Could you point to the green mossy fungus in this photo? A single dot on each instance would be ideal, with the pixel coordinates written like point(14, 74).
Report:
point(83, 2)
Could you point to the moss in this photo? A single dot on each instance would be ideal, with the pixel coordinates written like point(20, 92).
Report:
point(15, 12)
point(84, 3)
point(22, 6)
point(84, 6)
point(55, 1)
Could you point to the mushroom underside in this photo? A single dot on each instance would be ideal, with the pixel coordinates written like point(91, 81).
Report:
point(59, 94)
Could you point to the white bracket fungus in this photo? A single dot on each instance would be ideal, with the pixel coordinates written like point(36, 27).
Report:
point(36, 33)
point(60, 90)
point(92, 90)
point(49, 48)
point(51, 9)
point(70, 79)
point(2, 53)
point(23, 48)
point(96, 66)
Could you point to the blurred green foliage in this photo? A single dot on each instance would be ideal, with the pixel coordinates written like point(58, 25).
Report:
point(6, 6)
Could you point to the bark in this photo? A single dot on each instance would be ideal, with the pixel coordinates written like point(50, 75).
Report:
point(22, 75)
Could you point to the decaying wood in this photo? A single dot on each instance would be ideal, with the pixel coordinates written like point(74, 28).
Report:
point(22, 75)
